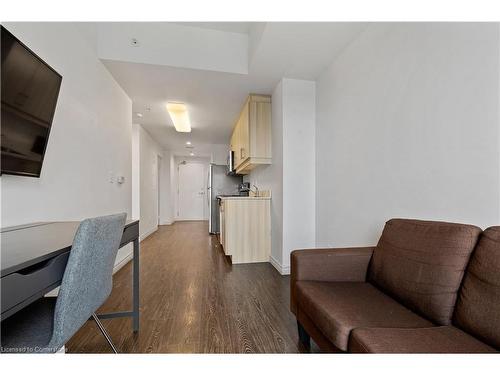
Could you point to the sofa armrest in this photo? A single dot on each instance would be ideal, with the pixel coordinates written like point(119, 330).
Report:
point(338, 264)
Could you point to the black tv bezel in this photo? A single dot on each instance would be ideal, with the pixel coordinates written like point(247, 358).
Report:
point(27, 174)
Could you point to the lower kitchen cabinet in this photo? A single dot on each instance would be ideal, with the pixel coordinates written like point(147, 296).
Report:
point(245, 232)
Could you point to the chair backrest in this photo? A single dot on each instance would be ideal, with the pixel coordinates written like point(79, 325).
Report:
point(422, 263)
point(87, 280)
point(478, 306)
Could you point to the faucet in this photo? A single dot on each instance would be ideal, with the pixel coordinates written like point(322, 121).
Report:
point(256, 190)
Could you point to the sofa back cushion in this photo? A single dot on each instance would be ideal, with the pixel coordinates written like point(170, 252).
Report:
point(422, 263)
point(478, 305)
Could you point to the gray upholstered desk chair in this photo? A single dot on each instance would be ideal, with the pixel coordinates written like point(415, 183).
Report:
point(46, 325)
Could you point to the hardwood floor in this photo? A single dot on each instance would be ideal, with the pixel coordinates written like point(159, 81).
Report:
point(194, 301)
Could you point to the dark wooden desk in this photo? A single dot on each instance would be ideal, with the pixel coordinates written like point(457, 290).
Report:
point(34, 257)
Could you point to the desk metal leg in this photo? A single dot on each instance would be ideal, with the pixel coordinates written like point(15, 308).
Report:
point(136, 286)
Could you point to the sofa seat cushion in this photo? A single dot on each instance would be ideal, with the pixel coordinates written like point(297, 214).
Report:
point(445, 339)
point(422, 263)
point(336, 308)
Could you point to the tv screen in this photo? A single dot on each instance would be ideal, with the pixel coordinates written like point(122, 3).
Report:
point(29, 95)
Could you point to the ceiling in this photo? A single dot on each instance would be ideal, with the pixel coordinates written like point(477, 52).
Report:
point(232, 27)
point(151, 78)
point(213, 99)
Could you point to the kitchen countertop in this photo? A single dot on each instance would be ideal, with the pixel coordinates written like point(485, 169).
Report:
point(243, 198)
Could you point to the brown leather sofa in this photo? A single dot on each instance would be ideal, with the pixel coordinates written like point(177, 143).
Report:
point(427, 287)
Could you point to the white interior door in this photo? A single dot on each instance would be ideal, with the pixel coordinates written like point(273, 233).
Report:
point(191, 191)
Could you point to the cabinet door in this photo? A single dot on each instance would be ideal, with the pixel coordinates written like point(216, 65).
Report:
point(234, 142)
point(260, 129)
point(222, 223)
point(236, 145)
point(244, 132)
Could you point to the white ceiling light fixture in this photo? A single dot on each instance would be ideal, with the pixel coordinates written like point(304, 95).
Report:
point(138, 114)
point(191, 153)
point(188, 143)
point(179, 115)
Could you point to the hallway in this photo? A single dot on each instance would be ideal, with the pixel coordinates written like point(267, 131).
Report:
point(194, 301)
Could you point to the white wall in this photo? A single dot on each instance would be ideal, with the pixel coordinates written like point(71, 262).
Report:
point(216, 153)
point(291, 176)
point(166, 203)
point(173, 186)
point(299, 195)
point(136, 171)
point(149, 151)
point(407, 126)
point(219, 154)
point(167, 43)
point(90, 139)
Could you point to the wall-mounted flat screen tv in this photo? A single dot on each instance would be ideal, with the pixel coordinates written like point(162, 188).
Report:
point(29, 95)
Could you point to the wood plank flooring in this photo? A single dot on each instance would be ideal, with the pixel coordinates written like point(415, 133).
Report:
point(194, 301)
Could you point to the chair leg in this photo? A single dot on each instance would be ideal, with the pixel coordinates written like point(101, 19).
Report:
point(104, 332)
point(304, 337)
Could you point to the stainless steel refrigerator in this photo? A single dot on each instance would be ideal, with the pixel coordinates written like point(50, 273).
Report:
point(219, 183)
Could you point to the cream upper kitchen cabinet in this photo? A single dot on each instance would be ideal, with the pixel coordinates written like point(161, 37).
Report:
point(251, 138)
point(243, 132)
point(236, 144)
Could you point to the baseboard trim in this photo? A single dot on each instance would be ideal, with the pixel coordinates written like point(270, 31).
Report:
point(182, 219)
point(118, 266)
point(275, 263)
point(130, 255)
point(285, 270)
point(148, 233)
point(279, 267)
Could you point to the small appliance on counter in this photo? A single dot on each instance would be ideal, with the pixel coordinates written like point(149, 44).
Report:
point(244, 189)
